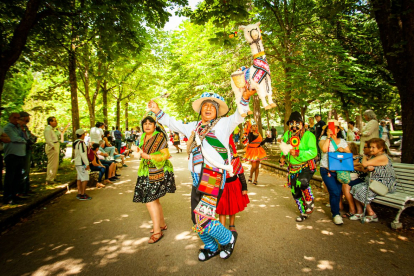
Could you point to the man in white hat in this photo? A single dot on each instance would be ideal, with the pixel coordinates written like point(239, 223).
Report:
point(209, 157)
point(81, 164)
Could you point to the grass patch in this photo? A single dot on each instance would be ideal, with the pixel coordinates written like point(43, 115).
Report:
point(66, 173)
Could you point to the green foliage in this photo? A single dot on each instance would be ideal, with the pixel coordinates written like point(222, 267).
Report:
point(39, 157)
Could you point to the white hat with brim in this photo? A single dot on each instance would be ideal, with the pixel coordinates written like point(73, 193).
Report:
point(223, 108)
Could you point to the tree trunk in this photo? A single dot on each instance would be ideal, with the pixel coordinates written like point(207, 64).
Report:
point(105, 102)
point(118, 112)
point(126, 115)
point(73, 90)
point(11, 52)
point(303, 112)
point(256, 113)
point(91, 106)
point(288, 99)
point(395, 21)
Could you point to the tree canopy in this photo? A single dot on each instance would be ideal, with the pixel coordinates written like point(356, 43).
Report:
point(88, 60)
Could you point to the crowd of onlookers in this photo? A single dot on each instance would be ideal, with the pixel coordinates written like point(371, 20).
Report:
point(102, 151)
point(99, 150)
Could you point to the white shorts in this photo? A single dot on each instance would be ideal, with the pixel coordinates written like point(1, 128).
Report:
point(83, 174)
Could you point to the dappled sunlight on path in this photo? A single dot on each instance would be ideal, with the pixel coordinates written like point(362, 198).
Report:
point(108, 236)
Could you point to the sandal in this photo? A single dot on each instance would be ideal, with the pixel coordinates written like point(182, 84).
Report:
point(153, 239)
point(233, 226)
point(250, 180)
point(227, 250)
point(255, 183)
point(207, 254)
point(348, 215)
point(356, 217)
point(373, 218)
point(162, 229)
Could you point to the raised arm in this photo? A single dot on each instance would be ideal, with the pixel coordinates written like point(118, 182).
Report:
point(170, 122)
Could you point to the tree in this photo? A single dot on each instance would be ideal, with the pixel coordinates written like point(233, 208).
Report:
point(395, 22)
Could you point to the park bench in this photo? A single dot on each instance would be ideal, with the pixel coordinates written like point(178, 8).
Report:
point(403, 197)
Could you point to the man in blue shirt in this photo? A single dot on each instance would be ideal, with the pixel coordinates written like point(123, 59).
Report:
point(118, 139)
point(14, 156)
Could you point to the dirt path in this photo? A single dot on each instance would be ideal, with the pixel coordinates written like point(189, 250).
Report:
point(108, 236)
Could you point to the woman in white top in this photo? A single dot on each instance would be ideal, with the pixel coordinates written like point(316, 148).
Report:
point(97, 133)
point(370, 130)
point(330, 177)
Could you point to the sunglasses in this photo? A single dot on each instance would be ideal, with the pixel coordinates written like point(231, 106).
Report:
point(293, 124)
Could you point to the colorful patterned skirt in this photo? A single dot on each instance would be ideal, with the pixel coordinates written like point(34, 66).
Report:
point(147, 190)
point(232, 201)
point(255, 154)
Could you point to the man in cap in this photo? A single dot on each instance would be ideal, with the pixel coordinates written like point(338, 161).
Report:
point(81, 164)
point(31, 139)
point(4, 138)
point(52, 149)
point(301, 165)
point(210, 158)
point(14, 154)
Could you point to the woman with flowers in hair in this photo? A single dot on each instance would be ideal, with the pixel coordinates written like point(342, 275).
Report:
point(155, 174)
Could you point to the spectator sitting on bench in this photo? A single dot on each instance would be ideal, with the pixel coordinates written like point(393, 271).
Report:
point(108, 148)
point(109, 164)
point(96, 165)
point(380, 166)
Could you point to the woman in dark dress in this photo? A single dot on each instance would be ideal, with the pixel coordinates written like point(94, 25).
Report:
point(155, 174)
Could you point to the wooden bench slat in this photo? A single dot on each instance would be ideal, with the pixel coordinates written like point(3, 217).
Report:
point(393, 205)
point(403, 165)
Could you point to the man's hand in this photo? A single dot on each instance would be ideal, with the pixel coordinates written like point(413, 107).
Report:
point(153, 106)
point(87, 168)
point(282, 161)
point(293, 152)
point(248, 93)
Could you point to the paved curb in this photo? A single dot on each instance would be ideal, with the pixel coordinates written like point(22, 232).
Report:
point(27, 210)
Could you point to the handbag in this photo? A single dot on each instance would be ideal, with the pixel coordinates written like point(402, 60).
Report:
point(210, 180)
point(206, 207)
point(340, 161)
point(377, 187)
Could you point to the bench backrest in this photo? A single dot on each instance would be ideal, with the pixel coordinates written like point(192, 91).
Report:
point(405, 177)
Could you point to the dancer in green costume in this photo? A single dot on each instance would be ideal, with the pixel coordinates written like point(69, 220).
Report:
point(301, 165)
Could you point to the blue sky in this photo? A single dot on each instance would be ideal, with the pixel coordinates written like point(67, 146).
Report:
point(175, 21)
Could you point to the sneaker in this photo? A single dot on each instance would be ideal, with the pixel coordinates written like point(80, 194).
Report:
point(207, 254)
point(227, 250)
point(78, 196)
point(338, 220)
point(124, 165)
point(302, 217)
point(127, 157)
point(85, 197)
point(356, 217)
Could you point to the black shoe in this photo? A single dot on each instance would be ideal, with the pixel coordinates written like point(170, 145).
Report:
point(208, 254)
point(113, 178)
point(227, 250)
point(117, 174)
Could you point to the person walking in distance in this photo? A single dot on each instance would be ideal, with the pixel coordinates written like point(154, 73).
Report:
point(52, 149)
point(118, 139)
point(318, 131)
